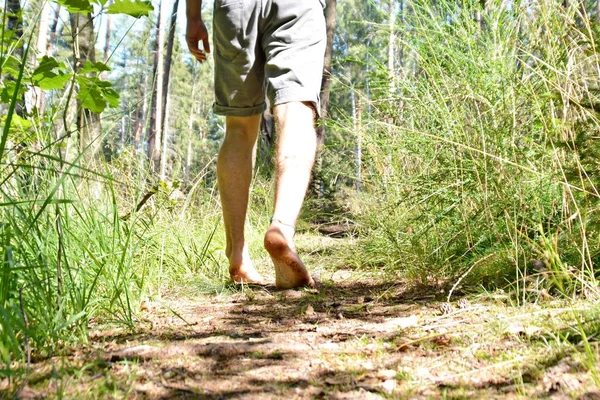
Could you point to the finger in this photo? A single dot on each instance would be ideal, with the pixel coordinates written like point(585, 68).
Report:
point(196, 52)
point(200, 56)
point(206, 45)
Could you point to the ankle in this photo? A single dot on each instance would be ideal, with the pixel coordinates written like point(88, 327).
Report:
point(237, 262)
point(238, 255)
point(290, 223)
point(287, 231)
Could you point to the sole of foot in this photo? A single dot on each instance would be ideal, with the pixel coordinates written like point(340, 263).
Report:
point(290, 272)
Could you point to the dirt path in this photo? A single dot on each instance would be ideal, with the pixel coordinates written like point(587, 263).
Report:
point(351, 339)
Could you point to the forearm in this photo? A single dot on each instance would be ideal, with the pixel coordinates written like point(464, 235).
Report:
point(193, 9)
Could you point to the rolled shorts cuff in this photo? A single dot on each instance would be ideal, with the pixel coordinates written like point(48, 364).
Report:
point(239, 111)
point(287, 95)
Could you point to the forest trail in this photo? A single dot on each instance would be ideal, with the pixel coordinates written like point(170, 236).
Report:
point(354, 337)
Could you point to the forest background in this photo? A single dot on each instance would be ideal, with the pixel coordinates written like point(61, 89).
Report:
point(461, 144)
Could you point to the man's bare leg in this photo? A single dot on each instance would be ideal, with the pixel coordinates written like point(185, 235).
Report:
point(234, 172)
point(295, 154)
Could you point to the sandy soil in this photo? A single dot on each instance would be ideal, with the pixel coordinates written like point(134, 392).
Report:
point(348, 339)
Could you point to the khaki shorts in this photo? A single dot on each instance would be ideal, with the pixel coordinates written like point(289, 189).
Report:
point(267, 46)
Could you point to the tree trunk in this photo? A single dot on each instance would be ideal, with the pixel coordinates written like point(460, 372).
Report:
point(165, 91)
point(401, 57)
point(357, 127)
point(141, 109)
point(88, 123)
point(401, 60)
point(155, 136)
point(36, 95)
point(478, 19)
point(168, 58)
point(107, 36)
point(123, 133)
point(389, 117)
point(188, 162)
point(164, 158)
point(189, 153)
point(43, 27)
point(479, 13)
point(391, 46)
point(15, 25)
point(330, 17)
point(52, 32)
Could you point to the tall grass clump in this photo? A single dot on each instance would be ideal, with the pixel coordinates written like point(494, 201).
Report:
point(84, 241)
point(75, 250)
point(483, 159)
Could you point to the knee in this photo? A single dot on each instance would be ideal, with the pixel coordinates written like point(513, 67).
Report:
point(242, 129)
point(295, 111)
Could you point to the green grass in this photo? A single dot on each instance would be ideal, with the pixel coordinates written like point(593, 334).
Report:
point(483, 159)
point(484, 163)
point(74, 258)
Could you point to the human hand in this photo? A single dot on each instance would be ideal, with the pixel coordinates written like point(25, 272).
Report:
point(195, 32)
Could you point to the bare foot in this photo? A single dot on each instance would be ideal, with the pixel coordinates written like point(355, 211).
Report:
point(245, 274)
point(241, 269)
point(290, 272)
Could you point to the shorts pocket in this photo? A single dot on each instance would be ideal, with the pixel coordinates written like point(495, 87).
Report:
point(227, 28)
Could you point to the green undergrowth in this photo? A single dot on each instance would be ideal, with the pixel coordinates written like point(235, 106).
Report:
point(478, 168)
point(86, 244)
point(75, 250)
point(480, 164)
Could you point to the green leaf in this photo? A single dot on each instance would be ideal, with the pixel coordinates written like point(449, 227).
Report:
point(45, 78)
point(46, 64)
point(7, 90)
point(11, 65)
point(94, 67)
point(76, 6)
point(19, 124)
point(112, 97)
point(133, 8)
point(5, 94)
point(92, 99)
point(52, 81)
point(96, 94)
